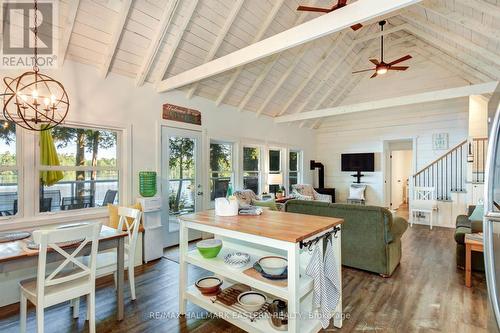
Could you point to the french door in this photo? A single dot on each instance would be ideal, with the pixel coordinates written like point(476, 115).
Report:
point(182, 189)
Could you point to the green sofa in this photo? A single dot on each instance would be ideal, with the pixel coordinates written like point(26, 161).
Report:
point(465, 226)
point(371, 237)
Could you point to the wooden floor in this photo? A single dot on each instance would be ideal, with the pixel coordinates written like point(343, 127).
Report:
point(425, 294)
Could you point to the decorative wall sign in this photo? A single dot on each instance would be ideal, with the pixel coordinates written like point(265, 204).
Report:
point(182, 114)
point(440, 141)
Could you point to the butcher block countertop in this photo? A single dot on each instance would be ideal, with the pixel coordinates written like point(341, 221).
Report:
point(288, 227)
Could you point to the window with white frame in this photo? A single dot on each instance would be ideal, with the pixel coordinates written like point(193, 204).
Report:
point(275, 176)
point(9, 171)
point(251, 169)
point(221, 168)
point(294, 168)
point(82, 173)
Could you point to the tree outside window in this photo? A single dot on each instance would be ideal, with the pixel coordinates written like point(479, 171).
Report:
point(251, 170)
point(221, 169)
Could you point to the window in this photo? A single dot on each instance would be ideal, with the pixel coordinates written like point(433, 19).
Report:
point(251, 169)
point(9, 176)
point(85, 172)
point(221, 169)
point(275, 182)
point(293, 168)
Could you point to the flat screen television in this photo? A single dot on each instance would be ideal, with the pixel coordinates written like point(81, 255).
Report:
point(358, 162)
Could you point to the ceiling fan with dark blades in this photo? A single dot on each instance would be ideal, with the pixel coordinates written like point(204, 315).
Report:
point(340, 4)
point(382, 67)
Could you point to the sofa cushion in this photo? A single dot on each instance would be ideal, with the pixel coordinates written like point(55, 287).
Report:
point(462, 221)
point(460, 234)
point(271, 204)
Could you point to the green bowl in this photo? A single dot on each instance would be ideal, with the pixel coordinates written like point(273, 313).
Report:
point(209, 248)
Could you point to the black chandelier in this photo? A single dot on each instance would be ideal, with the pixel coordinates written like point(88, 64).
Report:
point(33, 100)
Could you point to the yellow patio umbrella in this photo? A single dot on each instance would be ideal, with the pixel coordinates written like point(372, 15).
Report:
point(48, 157)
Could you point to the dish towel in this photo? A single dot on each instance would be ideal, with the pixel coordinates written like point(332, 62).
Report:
point(332, 283)
point(326, 283)
point(316, 270)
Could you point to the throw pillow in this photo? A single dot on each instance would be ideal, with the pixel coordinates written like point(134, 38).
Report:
point(477, 214)
point(114, 218)
point(357, 193)
point(271, 204)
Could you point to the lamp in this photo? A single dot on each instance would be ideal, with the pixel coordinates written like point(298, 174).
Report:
point(33, 100)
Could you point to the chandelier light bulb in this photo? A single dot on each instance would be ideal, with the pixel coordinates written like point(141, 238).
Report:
point(34, 94)
point(46, 101)
point(24, 97)
point(381, 70)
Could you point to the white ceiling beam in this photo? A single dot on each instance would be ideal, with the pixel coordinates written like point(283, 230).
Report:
point(218, 41)
point(454, 52)
point(177, 39)
point(283, 79)
point(266, 71)
point(461, 20)
point(363, 54)
point(313, 74)
point(68, 24)
point(155, 44)
point(359, 11)
point(116, 37)
point(258, 37)
point(431, 96)
point(482, 6)
point(449, 35)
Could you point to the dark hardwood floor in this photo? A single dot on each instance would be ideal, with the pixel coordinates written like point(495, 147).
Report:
point(425, 294)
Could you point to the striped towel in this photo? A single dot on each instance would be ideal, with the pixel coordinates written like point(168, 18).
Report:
point(315, 269)
point(332, 284)
point(326, 283)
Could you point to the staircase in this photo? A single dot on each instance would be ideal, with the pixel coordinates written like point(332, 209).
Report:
point(449, 173)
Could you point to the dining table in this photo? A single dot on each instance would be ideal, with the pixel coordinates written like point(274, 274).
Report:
point(15, 255)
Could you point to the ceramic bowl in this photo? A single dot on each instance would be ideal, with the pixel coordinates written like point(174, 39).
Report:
point(273, 265)
point(209, 286)
point(237, 259)
point(209, 248)
point(252, 300)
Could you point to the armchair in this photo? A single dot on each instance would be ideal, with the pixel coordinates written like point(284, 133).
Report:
point(307, 192)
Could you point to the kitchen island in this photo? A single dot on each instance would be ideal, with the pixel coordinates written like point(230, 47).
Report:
point(272, 233)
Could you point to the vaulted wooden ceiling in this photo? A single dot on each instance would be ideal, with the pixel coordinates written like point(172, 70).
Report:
point(151, 40)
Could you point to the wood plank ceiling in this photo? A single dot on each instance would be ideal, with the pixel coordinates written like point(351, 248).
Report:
point(150, 40)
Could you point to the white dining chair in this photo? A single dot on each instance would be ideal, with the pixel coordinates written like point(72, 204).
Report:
point(106, 262)
point(424, 201)
point(71, 279)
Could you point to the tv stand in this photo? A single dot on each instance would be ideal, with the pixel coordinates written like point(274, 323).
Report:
point(358, 175)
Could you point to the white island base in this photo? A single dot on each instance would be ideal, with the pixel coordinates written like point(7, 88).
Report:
point(260, 236)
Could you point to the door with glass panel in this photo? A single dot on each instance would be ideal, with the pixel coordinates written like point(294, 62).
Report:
point(182, 189)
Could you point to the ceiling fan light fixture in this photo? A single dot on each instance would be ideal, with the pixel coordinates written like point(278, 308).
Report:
point(382, 70)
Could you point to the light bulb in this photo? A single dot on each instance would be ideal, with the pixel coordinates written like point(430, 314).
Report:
point(53, 99)
point(34, 94)
point(381, 70)
point(5, 124)
point(46, 101)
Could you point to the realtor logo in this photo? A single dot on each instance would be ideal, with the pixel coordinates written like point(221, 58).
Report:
point(18, 34)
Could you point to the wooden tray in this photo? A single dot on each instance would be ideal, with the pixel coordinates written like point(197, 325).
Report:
point(256, 275)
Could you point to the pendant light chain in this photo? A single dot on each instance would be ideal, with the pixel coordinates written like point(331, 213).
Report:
point(35, 66)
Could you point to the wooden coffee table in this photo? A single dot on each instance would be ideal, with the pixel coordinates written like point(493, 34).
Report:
point(470, 245)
